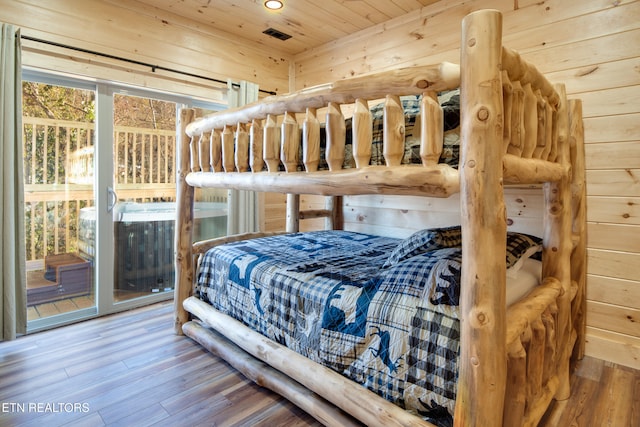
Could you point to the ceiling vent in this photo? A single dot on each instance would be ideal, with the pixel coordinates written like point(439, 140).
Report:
point(277, 34)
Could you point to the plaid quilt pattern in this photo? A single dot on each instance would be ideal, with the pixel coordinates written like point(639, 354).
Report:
point(327, 296)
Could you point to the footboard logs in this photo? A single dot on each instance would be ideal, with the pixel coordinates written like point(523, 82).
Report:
point(336, 130)
point(256, 144)
point(311, 141)
point(290, 143)
point(532, 355)
point(216, 151)
point(271, 144)
point(354, 399)
point(530, 128)
point(228, 157)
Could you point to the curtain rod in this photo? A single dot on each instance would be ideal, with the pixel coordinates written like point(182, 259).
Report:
point(133, 61)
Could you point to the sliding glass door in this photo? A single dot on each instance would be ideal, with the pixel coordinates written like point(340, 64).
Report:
point(100, 198)
point(58, 132)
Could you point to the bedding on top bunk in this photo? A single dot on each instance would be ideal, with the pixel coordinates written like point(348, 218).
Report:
point(450, 103)
point(381, 311)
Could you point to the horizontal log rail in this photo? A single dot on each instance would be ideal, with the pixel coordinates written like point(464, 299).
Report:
point(516, 170)
point(407, 81)
point(519, 69)
point(437, 181)
point(315, 213)
point(204, 245)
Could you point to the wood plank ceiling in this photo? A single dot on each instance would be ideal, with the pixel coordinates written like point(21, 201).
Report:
point(310, 23)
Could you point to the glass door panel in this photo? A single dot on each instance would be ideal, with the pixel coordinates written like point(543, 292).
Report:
point(59, 134)
point(144, 216)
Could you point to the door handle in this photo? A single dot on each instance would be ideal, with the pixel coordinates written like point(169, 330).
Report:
point(112, 199)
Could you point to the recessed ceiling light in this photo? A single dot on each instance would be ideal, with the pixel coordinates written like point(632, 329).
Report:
point(273, 4)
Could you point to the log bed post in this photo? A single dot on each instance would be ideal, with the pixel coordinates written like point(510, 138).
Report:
point(293, 213)
point(335, 220)
point(184, 223)
point(579, 195)
point(483, 365)
point(557, 245)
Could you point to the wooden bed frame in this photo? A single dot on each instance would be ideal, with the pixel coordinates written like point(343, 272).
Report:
point(516, 128)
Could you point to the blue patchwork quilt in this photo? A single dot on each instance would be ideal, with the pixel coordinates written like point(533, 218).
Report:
point(375, 309)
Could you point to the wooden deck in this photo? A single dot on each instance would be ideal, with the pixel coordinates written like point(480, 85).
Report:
point(130, 369)
point(58, 307)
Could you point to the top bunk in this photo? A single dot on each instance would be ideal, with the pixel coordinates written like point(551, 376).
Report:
point(277, 144)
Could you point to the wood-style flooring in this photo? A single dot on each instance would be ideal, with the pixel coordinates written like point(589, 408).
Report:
point(129, 369)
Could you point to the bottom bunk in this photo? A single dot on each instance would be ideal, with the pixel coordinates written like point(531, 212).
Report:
point(382, 312)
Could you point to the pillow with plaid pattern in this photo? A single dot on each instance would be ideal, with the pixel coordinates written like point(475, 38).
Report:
point(520, 246)
point(423, 241)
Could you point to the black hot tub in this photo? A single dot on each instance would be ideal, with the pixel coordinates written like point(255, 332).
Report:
point(144, 241)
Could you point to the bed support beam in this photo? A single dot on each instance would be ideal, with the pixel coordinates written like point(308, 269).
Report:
point(365, 406)
point(266, 376)
point(438, 181)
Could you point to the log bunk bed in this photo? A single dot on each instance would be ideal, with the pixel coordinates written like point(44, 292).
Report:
point(516, 128)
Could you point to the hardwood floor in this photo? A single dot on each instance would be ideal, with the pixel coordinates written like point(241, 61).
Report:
point(129, 369)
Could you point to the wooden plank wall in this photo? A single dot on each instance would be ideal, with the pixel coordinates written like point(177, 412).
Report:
point(143, 33)
point(592, 46)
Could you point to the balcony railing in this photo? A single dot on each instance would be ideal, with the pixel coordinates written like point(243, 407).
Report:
point(58, 169)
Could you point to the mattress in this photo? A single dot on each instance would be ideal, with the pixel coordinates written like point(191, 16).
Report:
point(380, 311)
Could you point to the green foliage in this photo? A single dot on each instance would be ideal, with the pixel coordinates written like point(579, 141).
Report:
point(58, 102)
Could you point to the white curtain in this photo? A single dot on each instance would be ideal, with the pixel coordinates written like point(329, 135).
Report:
point(13, 305)
point(243, 205)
